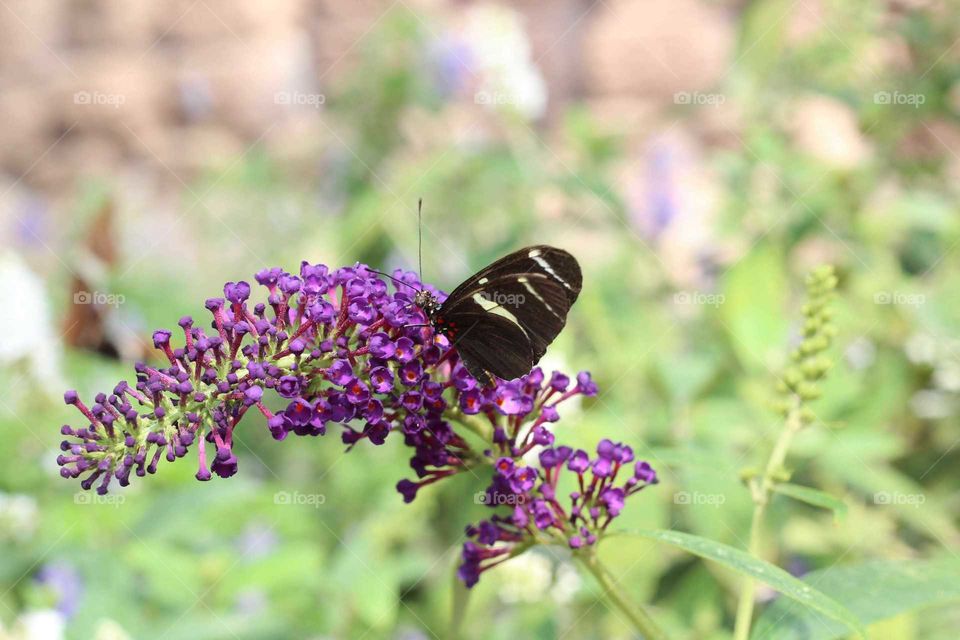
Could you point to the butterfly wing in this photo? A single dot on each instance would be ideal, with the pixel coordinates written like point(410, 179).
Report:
point(491, 344)
point(554, 263)
point(530, 301)
point(504, 317)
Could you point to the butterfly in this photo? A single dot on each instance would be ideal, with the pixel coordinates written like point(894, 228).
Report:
point(502, 318)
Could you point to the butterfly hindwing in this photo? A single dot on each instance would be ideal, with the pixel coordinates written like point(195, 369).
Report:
point(491, 343)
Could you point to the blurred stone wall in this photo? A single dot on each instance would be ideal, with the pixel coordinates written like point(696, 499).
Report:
point(125, 81)
point(97, 87)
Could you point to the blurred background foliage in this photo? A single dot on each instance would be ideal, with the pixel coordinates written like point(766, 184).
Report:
point(697, 157)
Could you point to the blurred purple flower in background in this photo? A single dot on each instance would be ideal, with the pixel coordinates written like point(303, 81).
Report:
point(661, 202)
point(65, 583)
point(673, 201)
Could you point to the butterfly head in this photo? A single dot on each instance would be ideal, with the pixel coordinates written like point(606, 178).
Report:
point(428, 302)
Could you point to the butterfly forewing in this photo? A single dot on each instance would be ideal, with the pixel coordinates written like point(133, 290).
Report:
point(550, 261)
point(502, 318)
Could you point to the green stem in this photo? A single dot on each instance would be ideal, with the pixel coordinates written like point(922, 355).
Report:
point(460, 597)
point(637, 615)
point(760, 489)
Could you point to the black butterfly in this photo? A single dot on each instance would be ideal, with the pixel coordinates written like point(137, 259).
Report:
point(501, 319)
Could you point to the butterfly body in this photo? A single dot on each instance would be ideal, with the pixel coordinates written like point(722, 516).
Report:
point(502, 318)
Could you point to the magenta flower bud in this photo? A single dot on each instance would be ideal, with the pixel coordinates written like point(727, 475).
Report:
point(237, 293)
point(585, 384)
point(161, 338)
point(559, 382)
point(408, 490)
point(645, 473)
point(579, 461)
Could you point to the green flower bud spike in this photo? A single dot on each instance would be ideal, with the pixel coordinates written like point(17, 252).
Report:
point(799, 385)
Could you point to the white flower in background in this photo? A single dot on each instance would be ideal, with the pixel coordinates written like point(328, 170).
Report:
point(947, 376)
point(526, 578)
point(26, 325)
point(861, 353)
point(42, 624)
point(921, 348)
point(18, 516)
point(931, 405)
point(495, 48)
point(566, 584)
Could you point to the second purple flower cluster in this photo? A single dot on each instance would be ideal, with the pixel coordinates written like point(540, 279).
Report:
point(540, 514)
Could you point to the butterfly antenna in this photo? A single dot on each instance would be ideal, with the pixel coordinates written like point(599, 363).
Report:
point(420, 236)
point(387, 275)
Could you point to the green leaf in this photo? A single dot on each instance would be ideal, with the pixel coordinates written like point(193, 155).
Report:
point(874, 591)
point(744, 563)
point(813, 497)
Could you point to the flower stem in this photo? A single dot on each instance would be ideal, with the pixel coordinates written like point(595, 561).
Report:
point(460, 597)
point(635, 613)
point(760, 489)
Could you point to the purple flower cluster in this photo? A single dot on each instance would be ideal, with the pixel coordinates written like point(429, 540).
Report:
point(333, 343)
point(338, 348)
point(538, 515)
